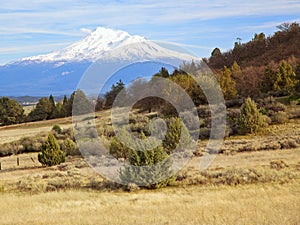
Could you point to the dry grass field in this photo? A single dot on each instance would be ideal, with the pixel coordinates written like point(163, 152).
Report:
point(15, 132)
point(250, 204)
point(256, 180)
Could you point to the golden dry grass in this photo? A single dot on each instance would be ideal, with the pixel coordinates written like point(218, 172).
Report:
point(276, 202)
point(250, 204)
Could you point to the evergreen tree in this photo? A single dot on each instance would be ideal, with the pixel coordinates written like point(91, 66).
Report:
point(11, 112)
point(80, 104)
point(268, 80)
point(250, 120)
point(163, 73)
point(52, 102)
point(237, 75)
point(112, 94)
point(297, 72)
point(177, 136)
point(51, 154)
point(58, 111)
point(42, 111)
point(236, 71)
point(173, 135)
point(285, 78)
point(149, 168)
point(117, 148)
point(70, 147)
point(216, 52)
point(66, 108)
point(228, 85)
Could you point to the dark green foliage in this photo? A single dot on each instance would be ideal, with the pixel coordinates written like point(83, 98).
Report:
point(70, 147)
point(148, 168)
point(51, 154)
point(67, 106)
point(52, 102)
point(112, 94)
point(163, 73)
point(117, 148)
point(172, 137)
point(216, 52)
point(285, 78)
point(177, 136)
point(268, 80)
point(59, 111)
point(42, 111)
point(10, 112)
point(259, 37)
point(297, 86)
point(250, 120)
point(57, 129)
point(80, 104)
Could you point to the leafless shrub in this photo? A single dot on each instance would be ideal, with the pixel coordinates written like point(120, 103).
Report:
point(279, 117)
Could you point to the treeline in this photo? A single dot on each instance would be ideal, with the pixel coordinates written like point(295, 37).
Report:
point(11, 112)
point(261, 50)
point(264, 65)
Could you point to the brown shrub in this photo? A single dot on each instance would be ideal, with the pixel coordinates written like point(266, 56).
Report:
point(288, 143)
point(278, 164)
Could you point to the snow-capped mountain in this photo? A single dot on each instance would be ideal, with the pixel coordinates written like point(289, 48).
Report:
point(59, 72)
point(107, 44)
point(91, 48)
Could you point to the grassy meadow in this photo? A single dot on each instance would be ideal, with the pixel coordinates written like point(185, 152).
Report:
point(254, 180)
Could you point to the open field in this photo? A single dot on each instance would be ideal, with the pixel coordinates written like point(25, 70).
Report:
point(15, 132)
point(249, 204)
point(247, 184)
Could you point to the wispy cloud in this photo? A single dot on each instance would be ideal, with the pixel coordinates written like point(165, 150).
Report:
point(172, 20)
point(30, 48)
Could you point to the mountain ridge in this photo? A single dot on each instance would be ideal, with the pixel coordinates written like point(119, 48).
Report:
point(59, 72)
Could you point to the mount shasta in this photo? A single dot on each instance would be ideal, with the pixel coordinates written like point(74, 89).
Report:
point(59, 72)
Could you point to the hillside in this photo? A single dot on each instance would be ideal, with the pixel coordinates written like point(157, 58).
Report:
point(261, 50)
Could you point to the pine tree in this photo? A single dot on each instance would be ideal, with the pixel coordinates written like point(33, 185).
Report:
point(112, 94)
point(250, 120)
point(216, 52)
point(268, 80)
point(236, 71)
point(51, 154)
point(297, 72)
point(81, 105)
point(228, 85)
point(149, 167)
point(163, 73)
point(58, 111)
point(66, 106)
point(117, 148)
point(42, 110)
point(237, 75)
point(52, 102)
point(11, 112)
point(285, 78)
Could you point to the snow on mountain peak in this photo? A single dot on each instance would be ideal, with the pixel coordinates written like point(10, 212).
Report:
point(100, 44)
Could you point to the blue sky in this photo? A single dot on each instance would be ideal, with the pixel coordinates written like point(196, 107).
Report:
point(34, 27)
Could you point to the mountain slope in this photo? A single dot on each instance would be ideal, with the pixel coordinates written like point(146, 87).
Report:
point(261, 50)
point(59, 72)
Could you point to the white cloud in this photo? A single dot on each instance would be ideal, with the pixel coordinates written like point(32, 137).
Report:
point(31, 48)
point(85, 30)
point(72, 17)
point(66, 73)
